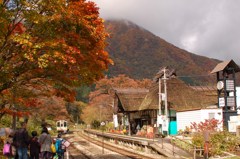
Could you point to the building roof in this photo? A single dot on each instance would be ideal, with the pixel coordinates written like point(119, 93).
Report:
point(130, 99)
point(204, 88)
point(214, 108)
point(179, 96)
point(225, 65)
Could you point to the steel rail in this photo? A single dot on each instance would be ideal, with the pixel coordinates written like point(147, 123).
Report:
point(119, 150)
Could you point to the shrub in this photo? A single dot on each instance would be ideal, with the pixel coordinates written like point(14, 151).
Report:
point(220, 141)
point(223, 141)
point(208, 124)
point(198, 139)
point(109, 126)
point(95, 124)
point(6, 121)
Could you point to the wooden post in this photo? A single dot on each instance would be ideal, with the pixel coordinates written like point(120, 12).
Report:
point(206, 149)
point(129, 125)
point(206, 137)
point(173, 146)
point(162, 141)
point(194, 153)
point(102, 143)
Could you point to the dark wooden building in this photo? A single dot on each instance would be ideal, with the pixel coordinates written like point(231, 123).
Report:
point(226, 85)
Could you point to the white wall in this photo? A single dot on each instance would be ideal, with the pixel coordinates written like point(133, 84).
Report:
point(235, 120)
point(238, 99)
point(187, 117)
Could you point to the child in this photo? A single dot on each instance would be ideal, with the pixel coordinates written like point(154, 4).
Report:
point(60, 147)
point(34, 146)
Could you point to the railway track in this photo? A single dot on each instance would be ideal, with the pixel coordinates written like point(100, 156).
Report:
point(117, 149)
point(74, 153)
point(83, 149)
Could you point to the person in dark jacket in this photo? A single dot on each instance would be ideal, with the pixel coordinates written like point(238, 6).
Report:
point(34, 146)
point(21, 141)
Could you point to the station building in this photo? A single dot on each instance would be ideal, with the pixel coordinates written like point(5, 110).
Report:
point(137, 108)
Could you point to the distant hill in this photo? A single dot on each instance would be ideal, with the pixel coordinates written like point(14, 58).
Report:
point(139, 54)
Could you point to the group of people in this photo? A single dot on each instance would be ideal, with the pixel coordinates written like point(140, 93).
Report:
point(38, 146)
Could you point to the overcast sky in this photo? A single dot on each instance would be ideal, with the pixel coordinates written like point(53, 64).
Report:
point(206, 27)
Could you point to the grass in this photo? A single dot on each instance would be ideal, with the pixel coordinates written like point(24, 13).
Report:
point(183, 144)
point(235, 157)
point(189, 147)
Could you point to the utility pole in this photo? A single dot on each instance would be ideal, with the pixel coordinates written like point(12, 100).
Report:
point(166, 105)
point(159, 96)
point(162, 118)
point(160, 106)
point(165, 91)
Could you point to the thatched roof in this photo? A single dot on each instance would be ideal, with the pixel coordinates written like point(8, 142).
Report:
point(130, 99)
point(180, 96)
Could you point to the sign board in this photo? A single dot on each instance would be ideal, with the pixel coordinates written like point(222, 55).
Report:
point(102, 123)
point(221, 102)
point(159, 119)
point(66, 143)
point(163, 96)
point(165, 124)
point(115, 120)
point(230, 85)
point(231, 101)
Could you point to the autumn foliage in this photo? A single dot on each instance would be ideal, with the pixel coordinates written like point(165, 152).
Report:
point(48, 45)
point(220, 141)
point(208, 124)
point(100, 106)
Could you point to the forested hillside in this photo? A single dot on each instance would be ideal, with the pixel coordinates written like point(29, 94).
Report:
point(139, 54)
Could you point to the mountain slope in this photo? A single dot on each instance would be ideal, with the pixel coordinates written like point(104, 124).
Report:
point(139, 54)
